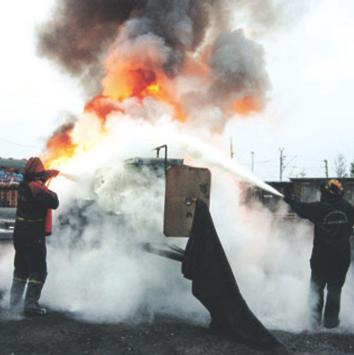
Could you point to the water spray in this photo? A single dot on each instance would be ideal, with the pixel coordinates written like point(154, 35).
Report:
point(209, 154)
point(70, 177)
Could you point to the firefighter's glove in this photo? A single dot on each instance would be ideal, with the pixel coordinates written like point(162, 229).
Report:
point(52, 173)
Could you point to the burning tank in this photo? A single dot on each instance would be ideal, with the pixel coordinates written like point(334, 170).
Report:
point(180, 186)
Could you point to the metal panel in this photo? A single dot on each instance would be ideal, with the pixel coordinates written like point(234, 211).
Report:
point(184, 185)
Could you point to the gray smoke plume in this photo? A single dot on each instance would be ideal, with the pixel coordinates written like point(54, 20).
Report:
point(265, 16)
point(238, 66)
point(99, 41)
point(81, 31)
point(78, 33)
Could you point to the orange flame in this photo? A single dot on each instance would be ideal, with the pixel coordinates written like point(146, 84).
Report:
point(137, 79)
point(60, 146)
point(102, 106)
point(248, 105)
point(154, 89)
point(142, 83)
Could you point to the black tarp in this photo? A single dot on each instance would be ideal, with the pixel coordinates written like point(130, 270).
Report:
point(214, 285)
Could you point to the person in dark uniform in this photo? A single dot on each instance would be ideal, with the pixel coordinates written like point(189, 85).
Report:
point(33, 217)
point(333, 218)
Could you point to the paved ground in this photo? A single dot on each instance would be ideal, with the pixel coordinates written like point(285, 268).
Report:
point(60, 333)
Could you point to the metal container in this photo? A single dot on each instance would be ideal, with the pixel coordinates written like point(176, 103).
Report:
point(184, 185)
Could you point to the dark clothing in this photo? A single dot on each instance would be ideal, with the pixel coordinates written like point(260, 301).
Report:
point(33, 223)
point(34, 200)
point(214, 284)
point(333, 219)
point(332, 308)
point(30, 260)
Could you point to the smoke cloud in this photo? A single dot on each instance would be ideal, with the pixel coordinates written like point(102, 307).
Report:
point(97, 269)
point(238, 67)
point(81, 33)
point(184, 52)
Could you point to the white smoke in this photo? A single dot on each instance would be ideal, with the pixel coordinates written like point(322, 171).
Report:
point(6, 265)
point(97, 270)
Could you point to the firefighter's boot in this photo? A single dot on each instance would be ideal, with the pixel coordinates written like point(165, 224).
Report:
point(16, 293)
point(32, 308)
point(331, 314)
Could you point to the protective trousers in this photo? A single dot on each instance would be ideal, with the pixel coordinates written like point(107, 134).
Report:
point(30, 260)
point(30, 264)
point(334, 280)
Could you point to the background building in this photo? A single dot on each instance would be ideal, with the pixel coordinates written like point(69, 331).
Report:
point(11, 175)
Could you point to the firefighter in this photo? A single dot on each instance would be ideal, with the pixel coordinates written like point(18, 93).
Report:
point(333, 219)
point(33, 217)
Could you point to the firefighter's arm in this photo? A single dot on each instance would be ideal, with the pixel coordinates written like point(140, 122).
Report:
point(45, 196)
point(308, 210)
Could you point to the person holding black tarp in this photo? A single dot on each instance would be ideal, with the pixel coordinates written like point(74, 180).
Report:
point(33, 223)
point(333, 218)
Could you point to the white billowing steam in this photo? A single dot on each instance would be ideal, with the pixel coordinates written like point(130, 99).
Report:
point(97, 269)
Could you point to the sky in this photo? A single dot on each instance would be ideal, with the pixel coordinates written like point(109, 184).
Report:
point(310, 107)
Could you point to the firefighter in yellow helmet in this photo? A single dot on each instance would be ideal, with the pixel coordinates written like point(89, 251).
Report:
point(34, 202)
point(333, 219)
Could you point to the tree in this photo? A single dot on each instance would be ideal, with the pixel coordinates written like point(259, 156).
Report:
point(352, 169)
point(340, 166)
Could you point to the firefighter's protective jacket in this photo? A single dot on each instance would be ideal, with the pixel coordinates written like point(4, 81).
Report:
point(34, 202)
point(333, 220)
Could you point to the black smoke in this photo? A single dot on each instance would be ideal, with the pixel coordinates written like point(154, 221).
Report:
point(80, 31)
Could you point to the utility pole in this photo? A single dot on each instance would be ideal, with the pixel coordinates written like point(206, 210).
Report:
point(232, 153)
point(326, 167)
point(281, 168)
point(252, 162)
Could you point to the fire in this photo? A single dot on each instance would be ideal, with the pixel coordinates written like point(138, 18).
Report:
point(102, 106)
point(248, 105)
point(162, 94)
point(60, 146)
point(139, 74)
point(129, 83)
point(73, 140)
point(123, 82)
point(154, 88)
